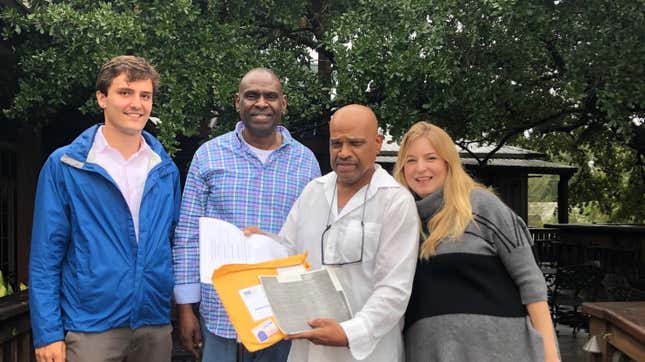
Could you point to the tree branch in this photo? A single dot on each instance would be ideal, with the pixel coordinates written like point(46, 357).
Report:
point(512, 132)
point(558, 60)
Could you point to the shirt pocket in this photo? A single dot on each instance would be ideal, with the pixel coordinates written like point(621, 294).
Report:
point(351, 242)
point(372, 240)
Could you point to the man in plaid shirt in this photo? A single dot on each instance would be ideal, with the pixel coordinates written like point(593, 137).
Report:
point(249, 176)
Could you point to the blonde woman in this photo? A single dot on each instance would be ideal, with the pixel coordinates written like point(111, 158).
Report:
point(478, 294)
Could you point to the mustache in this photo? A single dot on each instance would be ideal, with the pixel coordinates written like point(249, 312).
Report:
point(345, 161)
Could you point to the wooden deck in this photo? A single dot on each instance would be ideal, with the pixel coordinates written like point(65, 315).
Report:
point(15, 336)
point(15, 339)
point(570, 345)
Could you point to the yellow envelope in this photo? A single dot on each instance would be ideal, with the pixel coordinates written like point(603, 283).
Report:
point(237, 286)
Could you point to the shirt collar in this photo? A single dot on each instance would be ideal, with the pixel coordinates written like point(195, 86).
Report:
point(101, 145)
point(286, 136)
point(380, 179)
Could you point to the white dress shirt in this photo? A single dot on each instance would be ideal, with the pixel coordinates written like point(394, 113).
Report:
point(130, 175)
point(379, 287)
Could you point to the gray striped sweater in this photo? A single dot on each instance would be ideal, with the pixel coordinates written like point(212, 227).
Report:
point(468, 301)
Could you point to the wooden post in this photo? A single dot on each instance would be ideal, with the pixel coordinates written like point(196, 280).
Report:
point(563, 199)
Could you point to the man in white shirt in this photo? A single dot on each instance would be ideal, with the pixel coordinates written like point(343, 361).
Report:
point(360, 222)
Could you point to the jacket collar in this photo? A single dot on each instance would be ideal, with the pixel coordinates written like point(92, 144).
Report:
point(80, 148)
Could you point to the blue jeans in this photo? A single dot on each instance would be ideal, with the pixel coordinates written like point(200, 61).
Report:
point(220, 349)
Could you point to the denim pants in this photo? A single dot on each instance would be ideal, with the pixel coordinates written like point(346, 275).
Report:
point(220, 349)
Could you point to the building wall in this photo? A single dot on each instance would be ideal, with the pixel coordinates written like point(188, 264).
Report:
point(510, 186)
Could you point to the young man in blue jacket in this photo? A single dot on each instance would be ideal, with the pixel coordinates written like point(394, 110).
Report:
point(100, 267)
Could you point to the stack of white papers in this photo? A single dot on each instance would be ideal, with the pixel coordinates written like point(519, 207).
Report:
point(223, 243)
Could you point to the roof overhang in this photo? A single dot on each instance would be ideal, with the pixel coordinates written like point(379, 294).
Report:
point(523, 166)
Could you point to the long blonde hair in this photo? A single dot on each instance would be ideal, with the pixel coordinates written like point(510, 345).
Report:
point(456, 212)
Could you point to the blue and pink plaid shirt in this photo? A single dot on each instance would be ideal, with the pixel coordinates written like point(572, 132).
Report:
point(228, 181)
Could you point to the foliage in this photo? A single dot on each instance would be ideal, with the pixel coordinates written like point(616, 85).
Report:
point(610, 181)
point(200, 49)
point(543, 188)
point(5, 287)
point(566, 72)
point(491, 70)
point(540, 213)
point(588, 213)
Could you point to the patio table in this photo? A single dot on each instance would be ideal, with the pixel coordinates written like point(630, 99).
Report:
point(617, 326)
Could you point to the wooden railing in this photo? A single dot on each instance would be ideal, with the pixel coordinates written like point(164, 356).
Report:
point(15, 329)
point(544, 234)
point(615, 248)
point(589, 263)
point(15, 332)
point(546, 242)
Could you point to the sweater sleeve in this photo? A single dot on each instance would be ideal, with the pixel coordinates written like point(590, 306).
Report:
point(513, 243)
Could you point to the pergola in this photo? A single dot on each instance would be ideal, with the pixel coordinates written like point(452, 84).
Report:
point(507, 171)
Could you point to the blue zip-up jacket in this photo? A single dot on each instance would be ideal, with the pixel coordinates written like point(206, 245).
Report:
point(87, 272)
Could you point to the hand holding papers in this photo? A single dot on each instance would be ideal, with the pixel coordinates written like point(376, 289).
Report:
point(289, 296)
point(238, 287)
point(297, 296)
point(222, 243)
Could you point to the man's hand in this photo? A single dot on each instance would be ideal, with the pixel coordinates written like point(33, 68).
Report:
point(326, 332)
point(250, 230)
point(53, 352)
point(189, 333)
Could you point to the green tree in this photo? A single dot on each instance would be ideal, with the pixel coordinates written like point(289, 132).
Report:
point(566, 73)
point(561, 77)
point(200, 48)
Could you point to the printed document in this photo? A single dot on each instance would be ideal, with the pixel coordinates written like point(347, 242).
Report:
point(297, 297)
point(222, 243)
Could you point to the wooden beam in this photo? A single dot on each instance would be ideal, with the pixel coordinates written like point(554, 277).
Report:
point(563, 200)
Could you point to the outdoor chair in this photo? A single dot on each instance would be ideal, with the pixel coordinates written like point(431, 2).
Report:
point(546, 253)
point(573, 285)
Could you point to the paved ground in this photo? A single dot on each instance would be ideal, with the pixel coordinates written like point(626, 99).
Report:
point(571, 347)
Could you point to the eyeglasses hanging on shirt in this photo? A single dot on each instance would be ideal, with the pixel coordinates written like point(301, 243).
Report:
point(342, 251)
